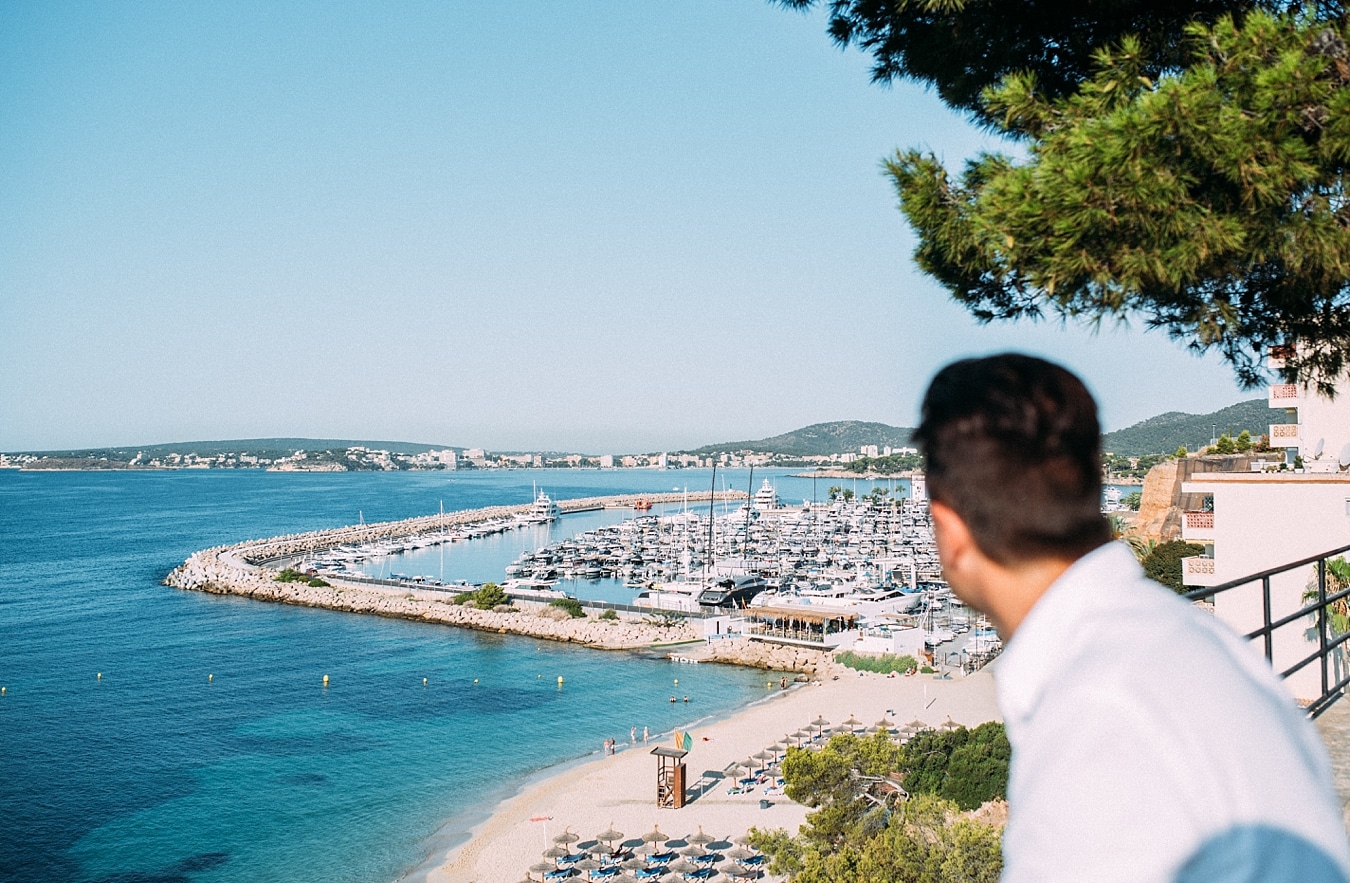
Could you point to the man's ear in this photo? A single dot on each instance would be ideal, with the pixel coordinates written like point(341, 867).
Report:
point(953, 536)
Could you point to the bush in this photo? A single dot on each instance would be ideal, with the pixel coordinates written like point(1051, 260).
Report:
point(290, 575)
point(571, 605)
point(610, 616)
point(883, 664)
point(1133, 500)
point(968, 767)
point(465, 597)
point(489, 596)
point(928, 670)
point(1163, 564)
point(316, 582)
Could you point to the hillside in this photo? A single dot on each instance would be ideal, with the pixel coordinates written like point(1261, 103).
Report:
point(821, 439)
point(1166, 432)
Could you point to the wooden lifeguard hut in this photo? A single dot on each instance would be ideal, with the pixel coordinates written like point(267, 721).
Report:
point(670, 777)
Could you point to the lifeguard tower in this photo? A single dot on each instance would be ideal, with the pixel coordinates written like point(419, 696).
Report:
point(670, 777)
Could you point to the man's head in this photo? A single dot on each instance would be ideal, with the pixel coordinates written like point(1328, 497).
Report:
point(1013, 448)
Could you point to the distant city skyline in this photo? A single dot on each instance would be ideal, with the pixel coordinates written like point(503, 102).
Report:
point(592, 227)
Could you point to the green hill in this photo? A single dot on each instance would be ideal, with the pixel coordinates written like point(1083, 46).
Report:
point(1164, 433)
point(839, 437)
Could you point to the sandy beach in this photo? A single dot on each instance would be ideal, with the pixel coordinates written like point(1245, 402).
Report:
point(619, 791)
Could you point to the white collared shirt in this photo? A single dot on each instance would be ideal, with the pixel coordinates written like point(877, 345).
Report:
point(1143, 730)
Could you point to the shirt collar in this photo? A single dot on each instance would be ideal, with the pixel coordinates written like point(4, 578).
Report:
point(1032, 660)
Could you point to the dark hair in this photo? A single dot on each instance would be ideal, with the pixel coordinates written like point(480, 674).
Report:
point(1014, 448)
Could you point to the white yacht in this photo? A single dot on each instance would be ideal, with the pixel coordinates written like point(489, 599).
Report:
point(766, 498)
point(541, 511)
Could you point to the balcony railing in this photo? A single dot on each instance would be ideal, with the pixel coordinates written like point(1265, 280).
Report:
point(1330, 647)
point(1283, 432)
point(1284, 392)
point(1199, 565)
point(1198, 520)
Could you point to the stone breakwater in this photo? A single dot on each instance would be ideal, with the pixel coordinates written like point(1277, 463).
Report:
point(773, 657)
point(236, 570)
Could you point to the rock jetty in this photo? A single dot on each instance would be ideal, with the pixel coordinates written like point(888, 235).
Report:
point(239, 570)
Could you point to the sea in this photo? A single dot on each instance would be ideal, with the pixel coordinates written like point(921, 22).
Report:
point(150, 735)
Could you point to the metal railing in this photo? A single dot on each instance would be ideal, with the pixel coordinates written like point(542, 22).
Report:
point(1327, 644)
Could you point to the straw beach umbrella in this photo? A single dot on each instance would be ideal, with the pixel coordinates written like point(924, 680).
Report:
point(555, 852)
point(609, 835)
point(852, 722)
point(654, 836)
point(566, 837)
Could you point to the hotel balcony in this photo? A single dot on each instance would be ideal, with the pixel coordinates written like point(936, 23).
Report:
point(1285, 435)
point(1284, 395)
point(1197, 527)
point(1198, 571)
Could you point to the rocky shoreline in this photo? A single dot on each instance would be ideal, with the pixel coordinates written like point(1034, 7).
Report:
point(238, 570)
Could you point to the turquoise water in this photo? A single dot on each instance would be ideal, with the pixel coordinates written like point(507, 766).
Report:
point(155, 773)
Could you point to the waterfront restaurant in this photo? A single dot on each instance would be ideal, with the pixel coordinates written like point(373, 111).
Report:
point(802, 626)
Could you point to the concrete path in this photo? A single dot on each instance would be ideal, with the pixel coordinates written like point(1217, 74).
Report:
point(1334, 724)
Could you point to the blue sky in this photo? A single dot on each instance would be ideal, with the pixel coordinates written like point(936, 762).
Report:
point(558, 225)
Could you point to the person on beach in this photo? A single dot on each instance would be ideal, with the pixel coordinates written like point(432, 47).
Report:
point(644, 735)
point(1150, 743)
point(632, 735)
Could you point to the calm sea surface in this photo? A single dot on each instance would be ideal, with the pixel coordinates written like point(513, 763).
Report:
point(154, 773)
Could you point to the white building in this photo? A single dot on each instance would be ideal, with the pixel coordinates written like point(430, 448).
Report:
point(606, 461)
point(1261, 520)
point(448, 459)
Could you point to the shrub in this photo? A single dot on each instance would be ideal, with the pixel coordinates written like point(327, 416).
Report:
point(1163, 564)
point(968, 767)
point(571, 605)
point(1133, 500)
point(489, 596)
point(928, 670)
point(883, 664)
point(316, 582)
point(290, 575)
point(610, 616)
point(465, 597)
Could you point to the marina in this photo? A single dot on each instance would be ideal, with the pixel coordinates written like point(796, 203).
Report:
point(857, 574)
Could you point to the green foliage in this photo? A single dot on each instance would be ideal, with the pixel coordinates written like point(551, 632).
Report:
point(856, 831)
point(290, 575)
point(1338, 579)
point(571, 605)
point(889, 465)
point(1164, 433)
point(927, 670)
point(1163, 564)
point(1208, 200)
point(1224, 445)
point(610, 616)
point(1133, 500)
point(316, 582)
point(1243, 444)
point(884, 663)
point(962, 47)
point(1181, 453)
point(920, 840)
point(486, 597)
point(968, 767)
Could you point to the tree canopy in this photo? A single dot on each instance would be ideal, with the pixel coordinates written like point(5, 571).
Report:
point(1185, 165)
point(963, 47)
point(1212, 203)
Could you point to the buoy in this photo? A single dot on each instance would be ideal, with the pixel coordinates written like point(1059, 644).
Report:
point(100, 676)
point(210, 677)
point(3, 690)
point(424, 682)
point(559, 680)
point(325, 680)
point(475, 680)
point(677, 682)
